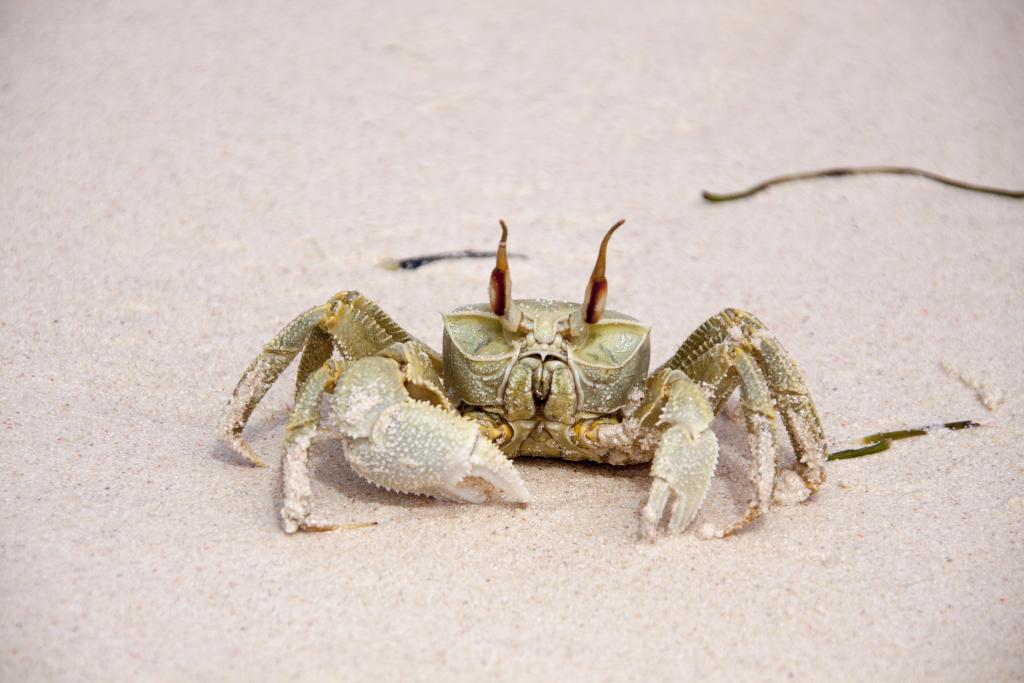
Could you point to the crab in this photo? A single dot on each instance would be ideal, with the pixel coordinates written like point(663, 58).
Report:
point(531, 377)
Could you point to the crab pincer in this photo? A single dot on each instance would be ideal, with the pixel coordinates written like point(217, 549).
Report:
point(685, 458)
point(413, 447)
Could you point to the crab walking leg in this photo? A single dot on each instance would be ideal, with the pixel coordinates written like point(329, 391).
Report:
point(759, 414)
point(798, 412)
point(413, 446)
point(315, 353)
point(685, 459)
point(276, 355)
point(694, 352)
point(299, 432)
point(700, 357)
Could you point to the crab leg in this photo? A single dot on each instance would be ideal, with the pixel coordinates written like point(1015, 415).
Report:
point(262, 372)
point(700, 357)
point(798, 412)
point(348, 322)
point(759, 415)
point(302, 427)
point(317, 351)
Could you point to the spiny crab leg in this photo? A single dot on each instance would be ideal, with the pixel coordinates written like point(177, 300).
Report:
point(275, 356)
point(299, 432)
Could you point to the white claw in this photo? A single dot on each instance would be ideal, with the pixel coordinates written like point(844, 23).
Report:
point(464, 493)
point(681, 513)
point(681, 470)
point(491, 465)
point(414, 447)
point(655, 508)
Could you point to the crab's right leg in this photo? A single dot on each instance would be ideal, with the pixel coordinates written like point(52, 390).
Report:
point(700, 357)
point(349, 322)
point(262, 372)
point(302, 426)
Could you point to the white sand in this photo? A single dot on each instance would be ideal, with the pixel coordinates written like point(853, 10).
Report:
point(179, 179)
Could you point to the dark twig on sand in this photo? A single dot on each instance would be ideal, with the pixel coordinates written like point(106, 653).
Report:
point(414, 262)
point(860, 170)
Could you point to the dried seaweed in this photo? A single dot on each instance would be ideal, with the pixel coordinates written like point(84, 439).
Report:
point(859, 170)
point(876, 443)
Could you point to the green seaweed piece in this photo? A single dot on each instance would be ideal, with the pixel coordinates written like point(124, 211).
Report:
point(876, 443)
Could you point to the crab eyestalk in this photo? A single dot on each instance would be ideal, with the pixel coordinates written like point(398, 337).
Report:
point(597, 290)
point(500, 289)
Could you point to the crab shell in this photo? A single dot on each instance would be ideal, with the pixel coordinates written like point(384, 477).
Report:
point(607, 363)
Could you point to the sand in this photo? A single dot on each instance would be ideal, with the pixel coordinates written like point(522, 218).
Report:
point(180, 179)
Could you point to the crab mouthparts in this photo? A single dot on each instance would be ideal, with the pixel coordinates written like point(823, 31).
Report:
point(543, 354)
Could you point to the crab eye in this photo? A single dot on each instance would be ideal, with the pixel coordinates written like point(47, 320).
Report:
point(597, 288)
point(501, 283)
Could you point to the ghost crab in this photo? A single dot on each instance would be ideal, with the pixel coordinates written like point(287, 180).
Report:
point(530, 378)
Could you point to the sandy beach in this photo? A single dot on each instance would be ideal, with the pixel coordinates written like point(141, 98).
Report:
point(180, 180)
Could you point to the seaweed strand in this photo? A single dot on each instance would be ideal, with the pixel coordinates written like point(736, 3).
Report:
point(860, 170)
point(876, 443)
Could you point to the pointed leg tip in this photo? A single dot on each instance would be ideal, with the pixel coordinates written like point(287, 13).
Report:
point(292, 525)
point(247, 453)
point(253, 460)
point(648, 529)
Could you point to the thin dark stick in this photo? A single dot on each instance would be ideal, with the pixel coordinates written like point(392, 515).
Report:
point(861, 170)
point(414, 262)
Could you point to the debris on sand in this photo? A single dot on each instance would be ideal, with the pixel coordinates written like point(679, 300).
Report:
point(989, 396)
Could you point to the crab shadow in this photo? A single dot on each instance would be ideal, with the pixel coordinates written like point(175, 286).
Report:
point(264, 432)
point(330, 470)
point(728, 496)
point(731, 488)
point(545, 477)
point(727, 499)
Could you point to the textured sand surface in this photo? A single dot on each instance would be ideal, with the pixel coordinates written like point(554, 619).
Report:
point(177, 180)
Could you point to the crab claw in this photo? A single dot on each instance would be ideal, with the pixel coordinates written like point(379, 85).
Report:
point(488, 464)
point(684, 461)
point(415, 447)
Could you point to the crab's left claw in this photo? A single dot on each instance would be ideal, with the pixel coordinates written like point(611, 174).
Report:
point(684, 461)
